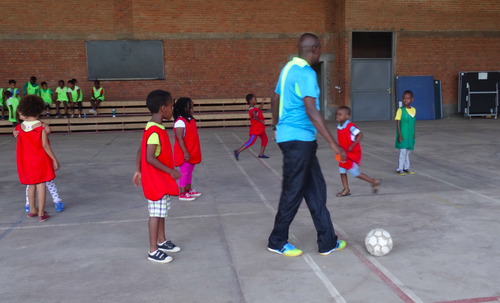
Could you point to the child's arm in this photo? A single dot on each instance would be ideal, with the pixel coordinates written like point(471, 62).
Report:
point(359, 136)
point(79, 93)
point(275, 105)
point(48, 149)
point(179, 134)
point(261, 106)
point(150, 157)
point(137, 175)
point(256, 117)
point(400, 137)
point(70, 96)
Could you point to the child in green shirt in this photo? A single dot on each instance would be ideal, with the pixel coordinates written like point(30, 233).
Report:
point(405, 140)
point(46, 95)
point(62, 96)
point(12, 104)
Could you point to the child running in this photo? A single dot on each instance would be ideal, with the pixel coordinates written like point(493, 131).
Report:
point(36, 161)
point(75, 95)
point(187, 151)
point(349, 137)
point(12, 104)
point(405, 140)
point(257, 127)
point(155, 170)
point(62, 96)
point(97, 97)
point(46, 94)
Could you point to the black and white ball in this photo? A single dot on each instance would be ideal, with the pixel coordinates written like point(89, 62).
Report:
point(378, 242)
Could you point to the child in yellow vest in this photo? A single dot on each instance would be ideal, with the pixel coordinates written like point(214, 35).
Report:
point(2, 99)
point(97, 97)
point(12, 104)
point(46, 94)
point(75, 98)
point(62, 96)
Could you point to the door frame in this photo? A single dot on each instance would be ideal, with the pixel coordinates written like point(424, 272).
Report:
point(392, 69)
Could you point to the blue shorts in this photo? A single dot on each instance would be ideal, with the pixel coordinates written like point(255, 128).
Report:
point(354, 171)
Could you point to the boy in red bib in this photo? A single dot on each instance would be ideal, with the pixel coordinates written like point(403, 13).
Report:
point(257, 127)
point(155, 170)
point(349, 137)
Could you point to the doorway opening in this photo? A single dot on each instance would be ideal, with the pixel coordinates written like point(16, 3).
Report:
point(371, 76)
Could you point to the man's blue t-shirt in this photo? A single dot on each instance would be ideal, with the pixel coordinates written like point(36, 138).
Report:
point(297, 81)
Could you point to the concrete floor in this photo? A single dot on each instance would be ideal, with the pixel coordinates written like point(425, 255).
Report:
point(444, 221)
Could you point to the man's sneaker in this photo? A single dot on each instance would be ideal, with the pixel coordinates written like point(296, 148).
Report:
point(409, 172)
point(186, 197)
point(288, 250)
point(59, 206)
point(27, 209)
point(43, 218)
point(58, 115)
point(340, 245)
point(263, 157)
point(159, 256)
point(236, 155)
point(401, 173)
point(168, 246)
point(193, 193)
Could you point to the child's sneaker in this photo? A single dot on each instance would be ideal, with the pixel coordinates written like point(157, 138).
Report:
point(236, 155)
point(168, 246)
point(65, 116)
point(47, 114)
point(288, 250)
point(409, 172)
point(79, 116)
point(3, 118)
point(27, 209)
point(72, 116)
point(58, 115)
point(186, 197)
point(43, 218)
point(59, 206)
point(401, 173)
point(193, 193)
point(340, 245)
point(159, 256)
point(263, 157)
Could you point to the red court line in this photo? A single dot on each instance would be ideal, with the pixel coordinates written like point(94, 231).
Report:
point(474, 300)
point(382, 276)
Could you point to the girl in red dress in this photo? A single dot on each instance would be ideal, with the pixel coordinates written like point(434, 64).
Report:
point(187, 151)
point(36, 161)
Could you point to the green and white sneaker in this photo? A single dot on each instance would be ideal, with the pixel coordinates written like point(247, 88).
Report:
point(401, 172)
point(409, 172)
point(288, 250)
point(340, 245)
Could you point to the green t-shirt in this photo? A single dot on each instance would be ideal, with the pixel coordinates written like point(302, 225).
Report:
point(61, 94)
point(46, 95)
point(12, 104)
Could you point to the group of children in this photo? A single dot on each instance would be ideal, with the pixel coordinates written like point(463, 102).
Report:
point(156, 162)
point(70, 96)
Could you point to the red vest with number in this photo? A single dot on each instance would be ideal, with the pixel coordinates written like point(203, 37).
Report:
point(256, 128)
point(157, 183)
point(34, 165)
point(345, 140)
point(192, 142)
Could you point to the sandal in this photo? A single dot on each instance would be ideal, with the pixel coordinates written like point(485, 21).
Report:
point(344, 193)
point(376, 186)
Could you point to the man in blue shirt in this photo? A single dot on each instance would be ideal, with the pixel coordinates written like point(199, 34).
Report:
point(296, 108)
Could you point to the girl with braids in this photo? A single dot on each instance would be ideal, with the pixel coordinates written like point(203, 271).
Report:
point(187, 151)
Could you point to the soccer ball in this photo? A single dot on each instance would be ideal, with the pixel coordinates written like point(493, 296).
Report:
point(378, 242)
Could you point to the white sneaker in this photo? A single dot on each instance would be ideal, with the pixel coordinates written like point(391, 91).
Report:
point(186, 197)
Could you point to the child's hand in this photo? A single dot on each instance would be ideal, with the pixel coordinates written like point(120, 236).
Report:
point(187, 157)
point(15, 133)
point(350, 148)
point(46, 128)
point(137, 178)
point(176, 175)
point(56, 165)
point(400, 139)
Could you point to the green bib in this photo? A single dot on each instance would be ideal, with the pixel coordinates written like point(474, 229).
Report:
point(74, 94)
point(46, 95)
point(1, 96)
point(32, 90)
point(97, 93)
point(12, 113)
point(407, 126)
point(61, 94)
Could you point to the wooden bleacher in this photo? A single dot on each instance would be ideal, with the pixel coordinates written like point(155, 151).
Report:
point(132, 115)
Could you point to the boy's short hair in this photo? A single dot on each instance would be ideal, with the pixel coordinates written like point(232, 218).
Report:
point(249, 97)
point(12, 81)
point(33, 78)
point(346, 108)
point(97, 81)
point(408, 92)
point(60, 81)
point(156, 99)
point(71, 82)
point(31, 106)
point(43, 83)
point(8, 94)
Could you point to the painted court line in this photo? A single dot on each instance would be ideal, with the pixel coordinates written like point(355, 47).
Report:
point(383, 273)
point(337, 297)
point(446, 201)
point(474, 300)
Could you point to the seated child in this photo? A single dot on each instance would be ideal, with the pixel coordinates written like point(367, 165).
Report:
point(97, 97)
point(349, 137)
point(46, 94)
point(12, 104)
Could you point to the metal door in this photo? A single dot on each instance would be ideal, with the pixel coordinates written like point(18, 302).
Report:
point(371, 89)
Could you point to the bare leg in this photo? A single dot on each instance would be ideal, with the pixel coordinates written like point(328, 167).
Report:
point(262, 149)
point(374, 182)
point(161, 231)
point(65, 104)
point(154, 226)
point(58, 107)
point(32, 198)
point(41, 189)
point(242, 148)
point(97, 102)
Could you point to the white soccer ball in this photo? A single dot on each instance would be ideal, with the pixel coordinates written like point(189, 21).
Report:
point(378, 242)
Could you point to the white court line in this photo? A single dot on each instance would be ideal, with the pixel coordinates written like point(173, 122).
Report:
point(384, 270)
point(441, 180)
point(8, 141)
point(337, 297)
